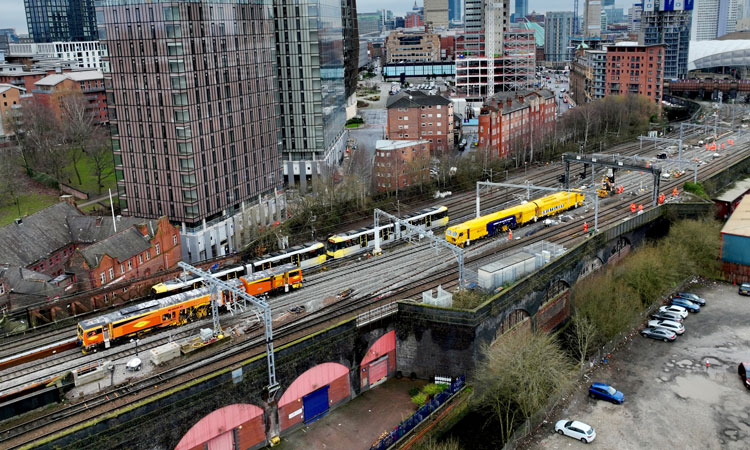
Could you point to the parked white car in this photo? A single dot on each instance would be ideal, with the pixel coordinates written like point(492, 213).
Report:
point(576, 430)
point(668, 324)
point(675, 309)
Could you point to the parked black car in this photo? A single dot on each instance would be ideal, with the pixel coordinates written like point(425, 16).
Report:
point(743, 370)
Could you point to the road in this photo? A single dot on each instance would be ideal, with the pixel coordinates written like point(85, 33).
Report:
point(672, 400)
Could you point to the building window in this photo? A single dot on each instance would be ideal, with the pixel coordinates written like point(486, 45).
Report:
point(140, 259)
point(102, 278)
point(122, 268)
point(111, 274)
point(148, 255)
point(174, 239)
point(2, 286)
point(130, 264)
point(158, 248)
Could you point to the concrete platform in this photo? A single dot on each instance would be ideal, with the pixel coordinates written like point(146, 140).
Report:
point(358, 424)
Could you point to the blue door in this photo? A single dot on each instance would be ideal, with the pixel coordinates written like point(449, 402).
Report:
point(315, 404)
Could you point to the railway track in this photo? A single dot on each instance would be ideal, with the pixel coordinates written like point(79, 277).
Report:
point(337, 311)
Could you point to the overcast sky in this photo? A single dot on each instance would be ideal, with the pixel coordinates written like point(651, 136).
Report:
point(12, 14)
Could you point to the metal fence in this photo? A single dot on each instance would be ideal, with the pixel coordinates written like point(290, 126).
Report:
point(422, 413)
point(376, 313)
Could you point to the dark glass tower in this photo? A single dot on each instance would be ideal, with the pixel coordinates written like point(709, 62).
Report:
point(61, 20)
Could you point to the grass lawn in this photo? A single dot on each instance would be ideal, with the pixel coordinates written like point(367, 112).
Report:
point(353, 125)
point(29, 203)
point(88, 177)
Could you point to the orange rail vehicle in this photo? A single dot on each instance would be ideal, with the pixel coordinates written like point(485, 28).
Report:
point(178, 309)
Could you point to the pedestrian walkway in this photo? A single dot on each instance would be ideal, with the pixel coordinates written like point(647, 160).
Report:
point(358, 424)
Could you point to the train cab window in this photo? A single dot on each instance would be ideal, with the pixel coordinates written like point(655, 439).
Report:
point(439, 215)
point(93, 333)
point(167, 316)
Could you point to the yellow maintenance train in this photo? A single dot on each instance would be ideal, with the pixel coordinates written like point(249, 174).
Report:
point(510, 218)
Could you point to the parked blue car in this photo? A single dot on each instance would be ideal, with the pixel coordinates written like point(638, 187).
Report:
point(685, 303)
point(606, 392)
point(692, 297)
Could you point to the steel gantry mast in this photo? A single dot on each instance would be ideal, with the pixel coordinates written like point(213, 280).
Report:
point(611, 161)
point(529, 188)
point(217, 287)
point(412, 229)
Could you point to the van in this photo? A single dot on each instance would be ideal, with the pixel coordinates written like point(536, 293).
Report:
point(701, 142)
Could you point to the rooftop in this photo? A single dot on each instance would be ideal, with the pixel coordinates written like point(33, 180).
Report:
point(385, 144)
point(414, 99)
point(55, 79)
point(122, 246)
point(736, 191)
point(739, 222)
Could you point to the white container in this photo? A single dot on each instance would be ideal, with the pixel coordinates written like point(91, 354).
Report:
point(164, 353)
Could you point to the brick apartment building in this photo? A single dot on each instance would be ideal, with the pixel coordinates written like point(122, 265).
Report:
point(416, 115)
point(512, 121)
point(89, 83)
point(635, 69)
point(399, 164)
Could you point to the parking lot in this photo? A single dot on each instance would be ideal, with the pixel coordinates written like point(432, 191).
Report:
point(672, 399)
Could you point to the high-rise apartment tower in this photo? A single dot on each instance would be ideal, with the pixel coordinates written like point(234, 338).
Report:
point(668, 22)
point(192, 95)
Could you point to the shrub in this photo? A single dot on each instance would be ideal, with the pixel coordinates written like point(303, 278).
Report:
point(413, 391)
point(362, 104)
point(696, 188)
point(434, 389)
point(419, 399)
point(468, 299)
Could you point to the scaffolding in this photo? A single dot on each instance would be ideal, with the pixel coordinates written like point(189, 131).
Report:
point(515, 70)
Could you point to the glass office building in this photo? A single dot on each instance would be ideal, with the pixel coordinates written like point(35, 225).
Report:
point(61, 20)
point(310, 60)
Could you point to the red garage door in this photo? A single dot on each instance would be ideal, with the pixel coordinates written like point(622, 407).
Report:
point(378, 371)
point(223, 441)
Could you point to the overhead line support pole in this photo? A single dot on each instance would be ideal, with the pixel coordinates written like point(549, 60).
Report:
point(218, 286)
point(438, 241)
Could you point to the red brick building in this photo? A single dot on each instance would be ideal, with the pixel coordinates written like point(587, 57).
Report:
point(635, 69)
point(47, 241)
point(416, 115)
point(447, 48)
point(89, 83)
point(399, 164)
point(138, 250)
point(512, 121)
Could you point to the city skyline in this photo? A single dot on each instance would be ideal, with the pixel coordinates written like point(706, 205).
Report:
point(12, 15)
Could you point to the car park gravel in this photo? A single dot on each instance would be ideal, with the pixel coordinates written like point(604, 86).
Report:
point(672, 399)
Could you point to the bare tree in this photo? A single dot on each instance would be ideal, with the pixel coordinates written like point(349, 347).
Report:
point(100, 152)
point(521, 358)
point(10, 186)
point(584, 335)
point(78, 126)
point(36, 131)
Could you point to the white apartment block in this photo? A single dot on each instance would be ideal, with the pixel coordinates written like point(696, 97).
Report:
point(85, 54)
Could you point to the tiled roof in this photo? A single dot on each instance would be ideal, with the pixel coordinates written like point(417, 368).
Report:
point(122, 246)
point(89, 229)
point(27, 282)
point(37, 236)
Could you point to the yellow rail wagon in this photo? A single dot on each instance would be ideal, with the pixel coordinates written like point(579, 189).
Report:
point(513, 217)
